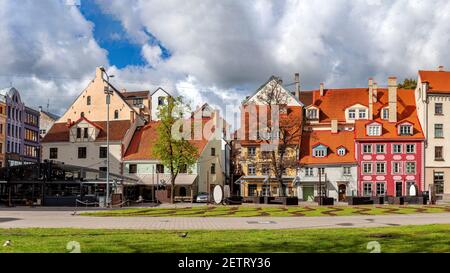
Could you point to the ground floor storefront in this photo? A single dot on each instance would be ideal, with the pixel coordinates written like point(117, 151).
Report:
point(338, 190)
point(262, 186)
point(438, 180)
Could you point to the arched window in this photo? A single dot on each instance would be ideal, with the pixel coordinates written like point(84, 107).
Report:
point(116, 114)
point(88, 100)
point(82, 114)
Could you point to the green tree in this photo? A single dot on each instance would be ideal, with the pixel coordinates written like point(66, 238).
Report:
point(172, 147)
point(408, 84)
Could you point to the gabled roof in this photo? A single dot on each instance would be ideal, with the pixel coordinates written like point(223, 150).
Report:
point(406, 112)
point(438, 81)
point(88, 121)
point(135, 94)
point(272, 78)
point(333, 141)
point(60, 132)
point(144, 139)
point(162, 89)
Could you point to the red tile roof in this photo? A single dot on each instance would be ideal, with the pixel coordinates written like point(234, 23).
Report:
point(141, 146)
point(406, 112)
point(334, 102)
point(333, 141)
point(133, 94)
point(439, 81)
point(60, 132)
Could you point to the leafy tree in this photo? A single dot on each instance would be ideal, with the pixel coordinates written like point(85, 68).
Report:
point(171, 147)
point(408, 84)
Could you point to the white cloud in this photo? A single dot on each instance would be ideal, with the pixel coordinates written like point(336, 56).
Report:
point(223, 50)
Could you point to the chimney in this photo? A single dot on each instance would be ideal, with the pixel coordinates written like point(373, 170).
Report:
point(441, 68)
point(375, 92)
point(334, 126)
point(322, 91)
point(392, 94)
point(297, 85)
point(371, 98)
point(132, 117)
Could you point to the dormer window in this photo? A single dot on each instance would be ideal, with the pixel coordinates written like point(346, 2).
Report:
point(312, 114)
point(320, 151)
point(405, 130)
point(362, 114)
point(352, 114)
point(341, 151)
point(385, 113)
point(374, 130)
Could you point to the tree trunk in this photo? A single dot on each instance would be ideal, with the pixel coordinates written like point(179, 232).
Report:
point(282, 192)
point(172, 189)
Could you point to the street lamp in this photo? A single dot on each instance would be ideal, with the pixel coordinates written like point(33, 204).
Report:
point(108, 93)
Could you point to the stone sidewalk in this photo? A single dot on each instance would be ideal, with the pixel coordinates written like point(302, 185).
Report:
point(16, 218)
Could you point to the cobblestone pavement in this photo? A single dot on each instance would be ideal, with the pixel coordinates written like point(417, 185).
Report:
point(63, 218)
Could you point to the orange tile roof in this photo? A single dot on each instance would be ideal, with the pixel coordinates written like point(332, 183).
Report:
point(439, 81)
point(333, 141)
point(60, 132)
point(406, 112)
point(141, 146)
point(334, 102)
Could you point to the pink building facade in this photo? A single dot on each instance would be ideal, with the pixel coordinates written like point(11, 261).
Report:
point(389, 167)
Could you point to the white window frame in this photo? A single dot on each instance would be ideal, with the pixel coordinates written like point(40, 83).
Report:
point(309, 171)
point(251, 167)
point(370, 184)
point(397, 145)
point(347, 171)
point(405, 130)
point(364, 164)
point(319, 153)
point(385, 113)
point(312, 113)
point(249, 149)
point(376, 167)
point(341, 151)
point(400, 167)
point(410, 152)
point(384, 188)
point(406, 167)
point(374, 130)
point(380, 145)
point(352, 112)
point(362, 114)
point(364, 148)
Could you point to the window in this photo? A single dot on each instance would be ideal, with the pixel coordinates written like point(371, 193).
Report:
point(381, 188)
point(138, 101)
point(265, 154)
point(320, 151)
point(410, 148)
point(82, 114)
point(251, 151)
point(309, 172)
point(116, 114)
point(161, 101)
point(374, 130)
point(381, 168)
point(362, 113)
point(103, 153)
point(213, 168)
point(381, 148)
point(103, 171)
point(438, 181)
point(367, 168)
point(251, 169)
point(385, 113)
point(132, 168)
point(213, 151)
point(405, 130)
point(86, 132)
point(341, 151)
point(347, 171)
point(183, 168)
point(53, 153)
point(367, 148)
point(78, 132)
point(438, 153)
point(82, 152)
point(265, 169)
point(367, 189)
point(438, 130)
point(396, 168)
point(351, 114)
point(397, 148)
point(321, 171)
point(252, 189)
point(88, 100)
point(438, 110)
point(311, 114)
point(410, 167)
point(159, 168)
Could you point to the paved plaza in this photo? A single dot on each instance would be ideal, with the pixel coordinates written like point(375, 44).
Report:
point(64, 218)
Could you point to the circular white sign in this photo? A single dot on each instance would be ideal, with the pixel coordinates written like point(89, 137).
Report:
point(218, 194)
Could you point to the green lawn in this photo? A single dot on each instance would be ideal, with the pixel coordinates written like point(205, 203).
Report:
point(275, 211)
point(431, 238)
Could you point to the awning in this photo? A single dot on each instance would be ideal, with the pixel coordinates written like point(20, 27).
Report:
point(263, 179)
point(164, 179)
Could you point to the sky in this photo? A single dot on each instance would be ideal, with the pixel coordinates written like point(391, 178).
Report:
point(214, 51)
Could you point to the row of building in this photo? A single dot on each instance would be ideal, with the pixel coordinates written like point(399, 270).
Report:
point(370, 141)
